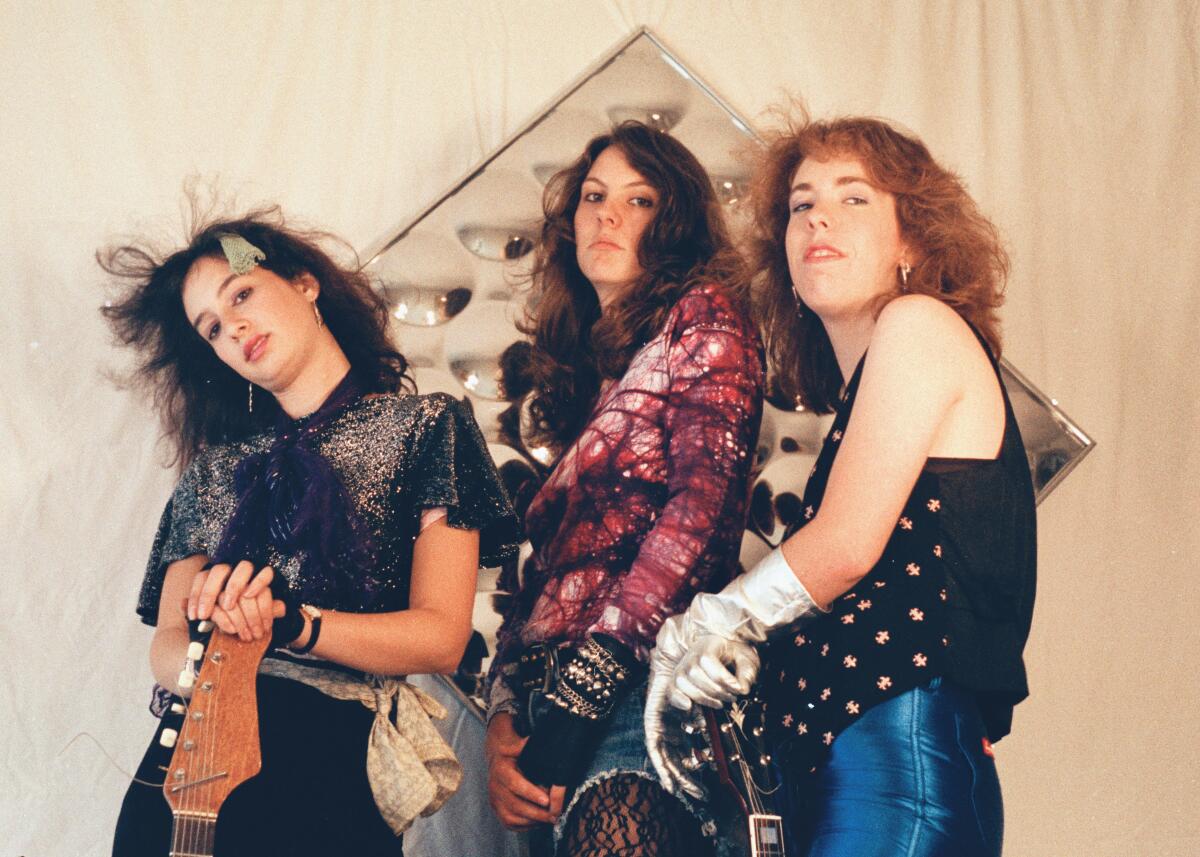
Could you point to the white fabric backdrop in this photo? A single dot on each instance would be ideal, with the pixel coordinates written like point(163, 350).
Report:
point(1072, 122)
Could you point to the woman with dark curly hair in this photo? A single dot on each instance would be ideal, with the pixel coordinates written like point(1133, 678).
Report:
point(323, 504)
point(647, 385)
point(898, 611)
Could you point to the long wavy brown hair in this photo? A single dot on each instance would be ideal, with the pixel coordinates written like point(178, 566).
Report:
point(200, 400)
point(575, 346)
point(958, 255)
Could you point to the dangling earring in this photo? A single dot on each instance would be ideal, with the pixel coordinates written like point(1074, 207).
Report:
point(250, 398)
point(799, 303)
point(317, 313)
point(905, 270)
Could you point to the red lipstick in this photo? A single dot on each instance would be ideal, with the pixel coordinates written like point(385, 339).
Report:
point(254, 347)
point(822, 253)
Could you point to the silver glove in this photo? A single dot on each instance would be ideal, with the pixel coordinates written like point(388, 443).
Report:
point(722, 629)
point(666, 744)
point(694, 652)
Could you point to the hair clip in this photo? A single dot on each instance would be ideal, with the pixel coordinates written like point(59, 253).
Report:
point(243, 256)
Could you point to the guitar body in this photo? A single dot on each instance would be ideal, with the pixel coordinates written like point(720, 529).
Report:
point(217, 745)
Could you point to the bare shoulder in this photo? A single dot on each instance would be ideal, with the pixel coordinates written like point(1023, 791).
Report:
point(923, 327)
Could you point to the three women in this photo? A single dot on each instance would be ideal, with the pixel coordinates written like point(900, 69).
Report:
point(891, 622)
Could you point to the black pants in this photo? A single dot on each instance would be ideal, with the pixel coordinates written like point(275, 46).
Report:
point(312, 796)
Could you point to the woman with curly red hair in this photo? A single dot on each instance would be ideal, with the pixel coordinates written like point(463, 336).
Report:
point(897, 612)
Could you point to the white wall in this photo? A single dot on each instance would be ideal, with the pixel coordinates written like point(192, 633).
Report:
point(1072, 123)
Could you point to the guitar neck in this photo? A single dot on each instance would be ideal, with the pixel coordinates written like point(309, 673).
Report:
point(192, 834)
point(766, 835)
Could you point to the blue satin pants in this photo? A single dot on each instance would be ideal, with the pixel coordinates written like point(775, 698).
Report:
point(909, 779)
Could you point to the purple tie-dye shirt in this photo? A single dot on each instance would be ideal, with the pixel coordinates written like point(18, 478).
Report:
point(648, 506)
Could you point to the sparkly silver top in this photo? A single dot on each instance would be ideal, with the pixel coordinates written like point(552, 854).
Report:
point(396, 455)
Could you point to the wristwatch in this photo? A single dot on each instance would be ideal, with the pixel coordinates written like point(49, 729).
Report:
point(314, 619)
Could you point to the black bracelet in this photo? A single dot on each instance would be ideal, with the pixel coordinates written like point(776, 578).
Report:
point(596, 679)
point(592, 682)
point(314, 616)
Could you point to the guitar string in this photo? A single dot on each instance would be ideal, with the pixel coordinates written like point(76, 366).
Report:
point(133, 778)
point(188, 831)
point(759, 788)
point(188, 824)
point(753, 791)
point(744, 769)
point(179, 826)
point(195, 768)
point(210, 749)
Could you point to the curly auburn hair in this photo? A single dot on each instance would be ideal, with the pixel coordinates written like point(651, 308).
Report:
point(575, 346)
point(200, 399)
point(958, 255)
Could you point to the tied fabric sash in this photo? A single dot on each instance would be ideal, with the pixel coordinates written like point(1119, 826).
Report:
point(291, 498)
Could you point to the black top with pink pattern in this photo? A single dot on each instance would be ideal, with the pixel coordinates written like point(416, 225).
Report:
point(648, 506)
point(952, 595)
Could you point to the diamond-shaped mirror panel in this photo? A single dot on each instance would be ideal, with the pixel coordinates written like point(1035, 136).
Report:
point(454, 274)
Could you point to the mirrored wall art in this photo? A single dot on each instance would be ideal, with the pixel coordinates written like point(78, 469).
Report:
point(455, 276)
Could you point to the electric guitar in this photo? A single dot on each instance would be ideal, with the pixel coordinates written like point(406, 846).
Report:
point(732, 744)
point(214, 736)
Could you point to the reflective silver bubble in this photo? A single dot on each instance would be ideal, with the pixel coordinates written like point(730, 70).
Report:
point(425, 306)
point(496, 243)
point(730, 189)
point(659, 118)
point(543, 172)
point(479, 375)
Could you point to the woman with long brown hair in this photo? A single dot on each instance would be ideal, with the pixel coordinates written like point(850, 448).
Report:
point(647, 385)
point(898, 611)
point(322, 504)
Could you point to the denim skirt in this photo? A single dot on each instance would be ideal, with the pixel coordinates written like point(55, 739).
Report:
point(622, 750)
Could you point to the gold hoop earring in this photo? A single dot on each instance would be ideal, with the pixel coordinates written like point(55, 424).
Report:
point(905, 270)
point(317, 314)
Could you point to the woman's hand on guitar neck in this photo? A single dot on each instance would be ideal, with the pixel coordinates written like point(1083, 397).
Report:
point(714, 671)
point(238, 599)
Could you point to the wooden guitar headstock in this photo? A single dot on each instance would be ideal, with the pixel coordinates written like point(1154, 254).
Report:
point(217, 746)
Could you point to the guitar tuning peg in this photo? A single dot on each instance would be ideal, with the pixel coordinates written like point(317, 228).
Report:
point(195, 651)
point(177, 708)
point(205, 626)
point(168, 738)
point(186, 680)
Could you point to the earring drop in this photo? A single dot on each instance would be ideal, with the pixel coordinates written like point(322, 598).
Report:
point(317, 314)
point(905, 270)
point(250, 398)
point(799, 303)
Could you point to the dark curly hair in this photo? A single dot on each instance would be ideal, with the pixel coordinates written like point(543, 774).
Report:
point(200, 399)
point(958, 255)
point(575, 347)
